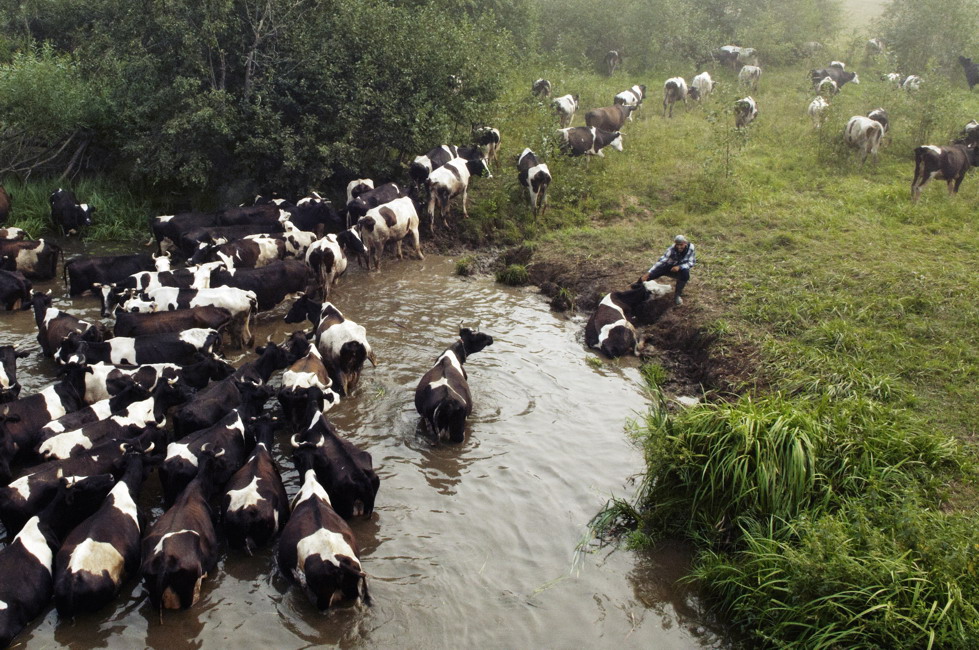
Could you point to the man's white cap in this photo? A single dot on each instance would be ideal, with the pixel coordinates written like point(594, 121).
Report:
point(679, 239)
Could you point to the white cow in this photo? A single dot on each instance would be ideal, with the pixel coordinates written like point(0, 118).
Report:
point(632, 97)
point(392, 221)
point(865, 134)
point(703, 84)
point(565, 106)
point(817, 110)
point(749, 76)
point(674, 90)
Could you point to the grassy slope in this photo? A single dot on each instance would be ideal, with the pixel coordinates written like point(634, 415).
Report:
point(824, 262)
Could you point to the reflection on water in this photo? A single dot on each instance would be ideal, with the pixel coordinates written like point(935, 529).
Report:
point(470, 544)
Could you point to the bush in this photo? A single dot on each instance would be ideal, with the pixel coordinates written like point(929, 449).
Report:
point(515, 275)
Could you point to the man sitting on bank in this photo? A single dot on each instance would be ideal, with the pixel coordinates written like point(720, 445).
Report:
point(676, 264)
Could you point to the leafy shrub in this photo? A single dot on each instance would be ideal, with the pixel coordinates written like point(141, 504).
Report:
point(514, 275)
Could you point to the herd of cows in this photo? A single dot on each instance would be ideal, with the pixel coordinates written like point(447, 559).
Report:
point(153, 390)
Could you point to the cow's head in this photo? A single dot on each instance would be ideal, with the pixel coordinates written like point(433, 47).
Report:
point(479, 168)
point(350, 241)
point(616, 142)
point(474, 340)
point(9, 386)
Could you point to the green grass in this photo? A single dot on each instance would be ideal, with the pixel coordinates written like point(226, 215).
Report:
point(837, 511)
point(119, 215)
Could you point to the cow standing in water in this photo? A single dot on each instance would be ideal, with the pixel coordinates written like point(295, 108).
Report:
point(442, 397)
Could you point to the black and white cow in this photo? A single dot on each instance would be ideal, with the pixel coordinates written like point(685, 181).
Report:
point(541, 88)
point(536, 177)
point(241, 303)
point(369, 200)
point(880, 115)
point(750, 75)
point(588, 141)
point(841, 77)
point(632, 97)
point(54, 325)
point(442, 396)
point(565, 106)
point(103, 381)
point(611, 328)
point(864, 134)
point(449, 181)
point(357, 187)
point(37, 260)
point(745, 111)
point(307, 379)
point(487, 136)
point(391, 222)
point(31, 492)
point(168, 229)
point(9, 386)
point(344, 470)
point(170, 347)
point(271, 284)
point(327, 257)
point(27, 563)
point(674, 90)
point(22, 419)
point(95, 412)
point(226, 437)
point(180, 549)
point(342, 343)
point(246, 390)
point(67, 213)
point(949, 163)
point(15, 290)
point(317, 549)
point(254, 506)
point(613, 59)
point(102, 551)
point(83, 274)
point(971, 70)
point(195, 277)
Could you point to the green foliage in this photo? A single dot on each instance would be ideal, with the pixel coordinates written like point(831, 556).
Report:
point(466, 265)
point(654, 374)
point(515, 275)
point(925, 36)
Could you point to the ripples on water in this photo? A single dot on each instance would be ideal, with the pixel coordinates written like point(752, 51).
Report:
point(470, 544)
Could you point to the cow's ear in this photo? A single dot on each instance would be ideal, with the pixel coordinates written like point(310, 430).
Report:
point(22, 354)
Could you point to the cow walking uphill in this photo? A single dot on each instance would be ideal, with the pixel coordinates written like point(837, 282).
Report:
point(536, 177)
point(611, 328)
point(442, 397)
point(613, 59)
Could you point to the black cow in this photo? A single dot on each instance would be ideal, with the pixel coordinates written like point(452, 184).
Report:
point(255, 507)
point(102, 551)
point(610, 328)
point(342, 342)
point(171, 347)
point(583, 140)
point(344, 470)
point(67, 213)
point(167, 229)
point(839, 76)
point(27, 563)
point(442, 396)
point(54, 325)
point(9, 386)
point(948, 163)
point(15, 290)
point(317, 215)
point(178, 320)
point(971, 70)
point(272, 284)
point(181, 548)
point(29, 494)
point(37, 260)
point(317, 549)
point(83, 274)
point(6, 199)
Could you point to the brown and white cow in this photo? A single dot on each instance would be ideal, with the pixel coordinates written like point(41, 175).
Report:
point(37, 260)
point(864, 134)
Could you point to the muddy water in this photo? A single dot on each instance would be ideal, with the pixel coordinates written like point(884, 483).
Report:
point(470, 544)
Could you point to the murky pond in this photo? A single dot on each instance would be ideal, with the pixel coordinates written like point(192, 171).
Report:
point(470, 545)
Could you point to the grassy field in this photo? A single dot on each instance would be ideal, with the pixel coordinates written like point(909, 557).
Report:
point(862, 12)
point(858, 303)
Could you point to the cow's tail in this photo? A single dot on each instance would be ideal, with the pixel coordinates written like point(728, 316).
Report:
point(449, 420)
point(919, 170)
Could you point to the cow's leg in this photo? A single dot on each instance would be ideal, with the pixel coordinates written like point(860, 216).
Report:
point(397, 249)
point(465, 194)
point(418, 244)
